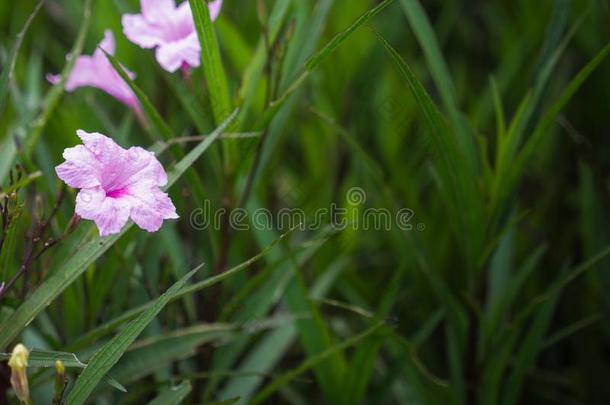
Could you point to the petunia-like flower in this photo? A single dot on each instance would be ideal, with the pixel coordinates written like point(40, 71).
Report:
point(96, 71)
point(116, 184)
point(170, 29)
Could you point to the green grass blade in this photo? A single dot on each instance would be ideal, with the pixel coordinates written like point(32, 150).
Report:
point(440, 73)
point(312, 362)
point(427, 40)
point(454, 174)
point(549, 118)
point(210, 59)
point(103, 360)
point(316, 59)
point(151, 112)
point(151, 354)
point(211, 281)
point(51, 99)
point(9, 66)
point(173, 395)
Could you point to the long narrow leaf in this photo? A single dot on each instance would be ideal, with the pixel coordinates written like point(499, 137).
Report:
point(103, 360)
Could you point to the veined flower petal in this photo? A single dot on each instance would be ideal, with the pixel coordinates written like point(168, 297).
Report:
point(81, 169)
point(172, 55)
point(170, 28)
point(116, 184)
point(96, 71)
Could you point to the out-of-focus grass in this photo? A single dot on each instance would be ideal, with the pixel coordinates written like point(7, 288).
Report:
point(485, 119)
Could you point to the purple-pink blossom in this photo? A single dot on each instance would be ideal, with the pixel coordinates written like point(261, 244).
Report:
point(116, 184)
point(170, 29)
point(96, 71)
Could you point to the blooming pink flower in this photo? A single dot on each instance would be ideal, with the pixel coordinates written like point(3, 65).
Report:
point(116, 184)
point(170, 29)
point(96, 71)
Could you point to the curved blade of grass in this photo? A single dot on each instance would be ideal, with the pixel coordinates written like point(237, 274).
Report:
point(128, 315)
point(87, 254)
point(151, 112)
point(316, 59)
point(173, 395)
point(9, 66)
point(311, 362)
point(103, 360)
point(51, 99)
point(210, 59)
point(454, 176)
point(149, 355)
point(509, 145)
point(440, 73)
point(547, 120)
point(47, 358)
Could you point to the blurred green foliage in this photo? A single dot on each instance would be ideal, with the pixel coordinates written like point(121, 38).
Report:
point(487, 120)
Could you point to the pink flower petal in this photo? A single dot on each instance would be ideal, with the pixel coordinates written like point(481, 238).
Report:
point(156, 10)
point(89, 202)
point(81, 169)
point(96, 71)
point(139, 31)
point(112, 216)
point(169, 28)
point(104, 149)
point(107, 45)
point(116, 184)
point(150, 207)
point(172, 55)
point(143, 166)
point(214, 8)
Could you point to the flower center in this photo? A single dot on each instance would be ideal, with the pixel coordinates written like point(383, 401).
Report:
point(118, 193)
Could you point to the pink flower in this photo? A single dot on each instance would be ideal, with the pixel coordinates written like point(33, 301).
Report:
point(96, 71)
point(168, 28)
point(116, 184)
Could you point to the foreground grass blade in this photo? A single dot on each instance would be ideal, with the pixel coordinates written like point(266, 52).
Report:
point(210, 59)
point(440, 73)
point(9, 65)
point(311, 362)
point(151, 112)
point(456, 180)
point(103, 360)
point(87, 254)
point(52, 98)
point(317, 58)
point(517, 168)
point(47, 359)
point(111, 325)
point(173, 395)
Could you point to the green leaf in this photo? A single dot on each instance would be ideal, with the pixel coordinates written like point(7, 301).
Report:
point(9, 65)
point(47, 359)
point(440, 73)
point(173, 395)
point(211, 61)
point(132, 313)
point(51, 99)
point(103, 360)
point(151, 112)
point(148, 355)
point(455, 177)
point(549, 118)
point(312, 362)
point(316, 59)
